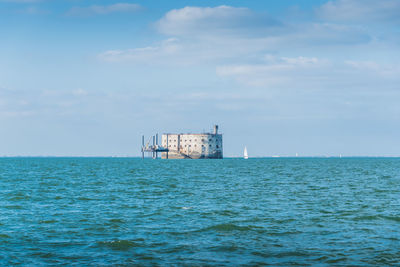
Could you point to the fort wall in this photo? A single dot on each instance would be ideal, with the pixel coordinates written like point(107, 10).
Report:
point(193, 146)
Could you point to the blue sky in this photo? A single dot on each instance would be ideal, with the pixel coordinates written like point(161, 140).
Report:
point(88, 78)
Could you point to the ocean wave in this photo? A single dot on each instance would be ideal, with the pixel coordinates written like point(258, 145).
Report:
point(229, 227)
point(120, 244)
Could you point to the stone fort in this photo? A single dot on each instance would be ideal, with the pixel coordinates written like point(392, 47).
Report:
point(193, 145)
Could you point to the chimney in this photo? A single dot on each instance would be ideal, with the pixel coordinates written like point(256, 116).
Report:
point(215, 129)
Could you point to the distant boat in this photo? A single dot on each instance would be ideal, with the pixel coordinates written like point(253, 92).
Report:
point(245, 155)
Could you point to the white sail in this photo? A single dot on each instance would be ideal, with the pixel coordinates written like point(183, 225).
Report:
point(245, 155)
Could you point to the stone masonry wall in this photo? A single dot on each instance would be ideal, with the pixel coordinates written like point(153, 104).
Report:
point(193, 146)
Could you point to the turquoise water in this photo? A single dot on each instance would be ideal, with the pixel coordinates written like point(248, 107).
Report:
point(109, 211)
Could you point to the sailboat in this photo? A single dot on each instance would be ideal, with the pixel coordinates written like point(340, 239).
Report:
point(245, 155)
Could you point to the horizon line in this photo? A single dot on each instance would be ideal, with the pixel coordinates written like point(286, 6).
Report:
point(228, 157)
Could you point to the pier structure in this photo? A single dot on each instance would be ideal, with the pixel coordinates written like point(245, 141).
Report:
point(152, 149)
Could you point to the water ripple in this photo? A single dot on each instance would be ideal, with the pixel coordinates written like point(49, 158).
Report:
point(110, 211)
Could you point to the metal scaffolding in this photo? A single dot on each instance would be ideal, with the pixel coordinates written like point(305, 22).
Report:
point(153, 149)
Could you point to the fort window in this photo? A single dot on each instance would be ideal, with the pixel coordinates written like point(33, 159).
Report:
point(217, 146)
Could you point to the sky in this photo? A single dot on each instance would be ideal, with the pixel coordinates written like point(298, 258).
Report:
point(88, 78)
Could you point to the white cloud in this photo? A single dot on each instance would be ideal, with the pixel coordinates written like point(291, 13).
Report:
point(165, 50)
point(222, 22)
point(317, 34)
point(314, 74)
point(103, 10)
point(204, 21)
point(300, 61)
point(276, 72)
point(175, 51)
point(198, 35)
point(309, 55)
point(217, 49)
point(80, 92)
point(360, 10)
point(374, 68)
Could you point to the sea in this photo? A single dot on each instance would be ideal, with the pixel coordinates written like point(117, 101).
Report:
point(230, 212)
